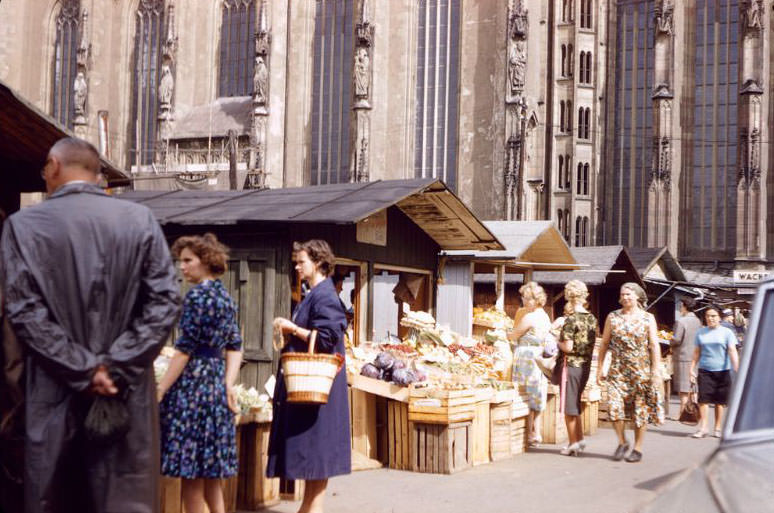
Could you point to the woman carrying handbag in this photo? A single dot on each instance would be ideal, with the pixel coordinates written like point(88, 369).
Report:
point(311, 441)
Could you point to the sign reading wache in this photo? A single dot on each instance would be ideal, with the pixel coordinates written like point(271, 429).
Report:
point(750, 277)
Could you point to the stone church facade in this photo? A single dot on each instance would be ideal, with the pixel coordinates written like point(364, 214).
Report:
point(578, 111)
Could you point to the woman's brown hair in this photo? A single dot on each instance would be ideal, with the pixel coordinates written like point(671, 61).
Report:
point(319, 252)
point(207, 248)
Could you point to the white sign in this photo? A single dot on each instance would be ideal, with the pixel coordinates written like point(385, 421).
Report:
point(750, 277)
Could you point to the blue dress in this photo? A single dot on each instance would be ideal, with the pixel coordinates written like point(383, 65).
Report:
point(312, 441)
point(198, 436)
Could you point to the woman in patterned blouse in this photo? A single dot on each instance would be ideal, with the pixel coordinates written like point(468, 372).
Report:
point(576, 341)
point(198, 400)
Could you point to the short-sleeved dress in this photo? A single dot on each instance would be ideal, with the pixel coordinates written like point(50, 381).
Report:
point(309, 441)
point(629, 379)
point(527, 373)
point(581, 328)
point(198, 435)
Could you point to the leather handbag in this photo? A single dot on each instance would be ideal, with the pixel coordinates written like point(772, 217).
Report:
point(690, 414)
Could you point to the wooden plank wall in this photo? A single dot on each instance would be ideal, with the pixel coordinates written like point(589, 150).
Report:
point(454, 306)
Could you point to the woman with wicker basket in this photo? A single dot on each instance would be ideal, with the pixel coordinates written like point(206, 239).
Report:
point(311, 441)
point(197, 395)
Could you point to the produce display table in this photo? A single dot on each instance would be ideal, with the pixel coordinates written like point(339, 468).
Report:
point(554, 430)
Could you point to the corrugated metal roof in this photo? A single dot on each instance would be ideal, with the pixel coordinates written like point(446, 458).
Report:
point(26, 135)
point(527, 241)
point(426, 201)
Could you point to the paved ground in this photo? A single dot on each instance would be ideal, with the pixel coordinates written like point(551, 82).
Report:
point(540, 480)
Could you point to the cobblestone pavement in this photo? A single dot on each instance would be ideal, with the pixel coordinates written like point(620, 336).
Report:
point(540, 480)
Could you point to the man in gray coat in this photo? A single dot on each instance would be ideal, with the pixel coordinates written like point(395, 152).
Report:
point(91, 294)
point(683, 348)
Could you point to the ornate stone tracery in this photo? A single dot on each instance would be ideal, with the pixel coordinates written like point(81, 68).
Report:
point(515, 109)
point(362, 86)
point(256, 175)
point(166, 88)
point(81, 85)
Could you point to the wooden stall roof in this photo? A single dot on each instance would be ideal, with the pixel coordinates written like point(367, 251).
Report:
point(26, 134)
point(601, 260)
point(646, 261)
point(528, 244)
point(427, 202)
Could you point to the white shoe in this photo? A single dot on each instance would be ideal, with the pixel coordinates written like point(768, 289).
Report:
point(571, 450)
point(582, 445)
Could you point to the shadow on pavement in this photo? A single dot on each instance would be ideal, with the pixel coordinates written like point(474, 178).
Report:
point(658, 482)
point(677, 434)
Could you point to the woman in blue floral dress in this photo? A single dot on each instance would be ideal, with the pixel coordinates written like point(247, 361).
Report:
point(198, 435)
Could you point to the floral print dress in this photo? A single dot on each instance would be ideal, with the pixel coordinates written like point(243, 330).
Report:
point(628, 380)
point(526, 371)
point(198, 435)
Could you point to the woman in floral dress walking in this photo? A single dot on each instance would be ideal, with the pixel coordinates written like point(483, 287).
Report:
point(198, 401)
point(631, 336)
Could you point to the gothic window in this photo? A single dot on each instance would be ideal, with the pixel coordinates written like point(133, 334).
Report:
point(567, 225)
point(579, 179)
point(589, 11)
point(237, 48)
point(437, 84)
point(562, 114)
point(582, 76)
point(569, 115)
point(147, 61)
point(578, 230)
point(561, 172)
point(65, 65)
point(568, 173)
point(580, 123)
point(331, 91)
point(586, 179)
point(588, 123)
point(585, 236)
point(588, 68)
point(560, 221)
point(565, 6)
point(564, 60)
point(570, 61)
point(586, 13)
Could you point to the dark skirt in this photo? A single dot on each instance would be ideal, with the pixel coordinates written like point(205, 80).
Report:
point(714, 386)
point(577, 377)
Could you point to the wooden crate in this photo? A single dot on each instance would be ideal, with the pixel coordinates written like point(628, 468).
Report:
point(364, 433)
point(398, 435)
point(500, 431)
point(590, 417)
point(434, 406)
point(291, 490)
point(554, 430)
point(439, 449)
point(518, 435)
point(254, 490)
point(480, 432)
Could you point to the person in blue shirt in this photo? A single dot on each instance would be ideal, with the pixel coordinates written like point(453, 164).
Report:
point(714, 357)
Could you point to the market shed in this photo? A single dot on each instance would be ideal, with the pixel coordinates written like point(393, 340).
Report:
point(662, 275)
point(473, 278)
point(386, 236)
point(26, 134)
point(607, 268)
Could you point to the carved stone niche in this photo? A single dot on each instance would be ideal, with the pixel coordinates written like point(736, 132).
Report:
point(517, 23)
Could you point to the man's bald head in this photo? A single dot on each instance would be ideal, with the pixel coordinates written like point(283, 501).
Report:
point(74, 152)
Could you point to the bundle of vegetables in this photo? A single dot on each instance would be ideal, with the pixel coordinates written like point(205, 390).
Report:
point(493, 317)
point(388, 368)
point(249, 399)
point(418, 320)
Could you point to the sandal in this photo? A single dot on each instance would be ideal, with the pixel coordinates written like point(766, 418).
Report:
point(699, 434)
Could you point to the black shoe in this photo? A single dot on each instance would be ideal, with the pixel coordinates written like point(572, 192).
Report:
point(620, 452)
point(634, 457)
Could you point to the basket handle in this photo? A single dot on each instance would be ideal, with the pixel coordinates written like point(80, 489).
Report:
point(312, 340)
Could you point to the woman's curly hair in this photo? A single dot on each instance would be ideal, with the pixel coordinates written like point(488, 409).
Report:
point(575, 293)
point(207, 248)
point(319, 252)
point(534, 291)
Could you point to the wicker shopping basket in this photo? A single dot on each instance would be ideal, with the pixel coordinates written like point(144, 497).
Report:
point(309, 376)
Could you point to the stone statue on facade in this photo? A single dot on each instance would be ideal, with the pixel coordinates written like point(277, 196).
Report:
point(517, 67)
point(166, 86)
point(80, 91)
point(260, 80)
point(362, 73)
point(665, 17)
point(751, 11)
